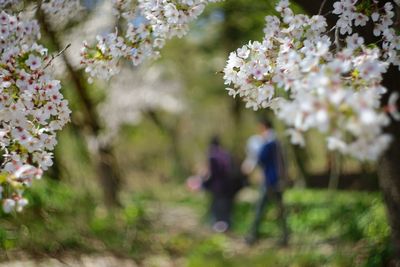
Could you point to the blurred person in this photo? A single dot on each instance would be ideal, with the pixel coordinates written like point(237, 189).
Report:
point(265, 150)
point(253, 147)
point(219, 184)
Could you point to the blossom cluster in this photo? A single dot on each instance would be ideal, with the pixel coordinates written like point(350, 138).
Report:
point(295, 72)
point(8, 3)
point(148, 26)
point(135, 92)
point(32, 109)
point(353, 13)
point(60, 12)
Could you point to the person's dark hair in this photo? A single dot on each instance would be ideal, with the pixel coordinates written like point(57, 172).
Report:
point(266, 123)
point(215, 140)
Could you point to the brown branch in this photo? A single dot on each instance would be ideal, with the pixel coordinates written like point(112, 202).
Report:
point(321, 7)
point(56, 55)
point(77, 79)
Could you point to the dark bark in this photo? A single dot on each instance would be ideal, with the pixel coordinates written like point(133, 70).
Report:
point(389, 181)
point(54, 171)
point(301, 158)
point(334, 170)
point(389, 166)
point(237, 110)
point(389, 170)
point(106, 166)
point(108, 175)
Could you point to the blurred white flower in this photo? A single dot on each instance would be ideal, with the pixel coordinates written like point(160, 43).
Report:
point(337, 92)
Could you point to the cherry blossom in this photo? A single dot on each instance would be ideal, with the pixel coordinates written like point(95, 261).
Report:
point(147, 29)
point(8, 3)
point(60, 12)
point(353, 13)
point(297, 71)
point(32, 109)
point(136, 92)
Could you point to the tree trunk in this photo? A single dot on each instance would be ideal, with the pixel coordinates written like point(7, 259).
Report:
point(172, 133)
point(334, 170)
point(236, 112)
point(108, 175)
point(106, 167)
point(389, 181)
point(389, 170)
point(300, 156)
point(179, 168)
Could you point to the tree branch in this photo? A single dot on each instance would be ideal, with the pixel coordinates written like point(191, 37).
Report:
point(321, 7)
point(57, 55)
point(77, 79)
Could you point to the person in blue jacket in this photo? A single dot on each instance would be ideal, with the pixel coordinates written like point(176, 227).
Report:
point(270, 159)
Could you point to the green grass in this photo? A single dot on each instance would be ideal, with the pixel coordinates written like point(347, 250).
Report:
point(59, 220)
point(327, 228)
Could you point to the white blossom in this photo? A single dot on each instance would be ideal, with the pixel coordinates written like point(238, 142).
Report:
point(135, 92)
point(60, 12)
point(337, 91)
point(31, 109)
point(147, 29)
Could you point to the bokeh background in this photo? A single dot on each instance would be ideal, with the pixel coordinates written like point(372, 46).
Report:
point(116, 194)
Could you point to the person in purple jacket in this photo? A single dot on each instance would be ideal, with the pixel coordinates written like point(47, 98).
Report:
point(270, 159)
point(218, 184)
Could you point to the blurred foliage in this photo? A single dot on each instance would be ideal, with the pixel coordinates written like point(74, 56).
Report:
point(329, 229)
point(340, 229)
point(63, 220)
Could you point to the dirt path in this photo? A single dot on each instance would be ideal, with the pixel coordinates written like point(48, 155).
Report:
point(182, 219)
point(82, 261)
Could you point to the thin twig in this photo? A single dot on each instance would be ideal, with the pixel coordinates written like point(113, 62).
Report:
point(331, 29)
point(321, 7)
point(57, 55)
point(337, 41)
